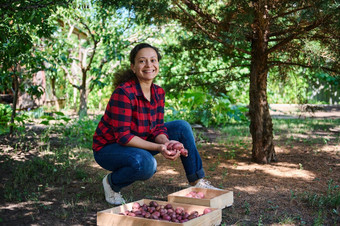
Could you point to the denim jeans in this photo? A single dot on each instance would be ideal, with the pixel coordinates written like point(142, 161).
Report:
point(130, 164)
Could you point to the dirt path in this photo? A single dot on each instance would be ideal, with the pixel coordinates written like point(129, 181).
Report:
point(305, 111)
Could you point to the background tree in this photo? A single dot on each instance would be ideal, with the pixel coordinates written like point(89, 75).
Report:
point(91, 43)
point(22, 21)
point(260, 36)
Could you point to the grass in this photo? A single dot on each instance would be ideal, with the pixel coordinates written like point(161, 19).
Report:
point(57, 168)
point(237, 136)
point(330, 200)
point(50, 170)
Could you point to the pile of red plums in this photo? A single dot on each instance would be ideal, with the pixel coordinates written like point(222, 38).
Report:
point(162, 212)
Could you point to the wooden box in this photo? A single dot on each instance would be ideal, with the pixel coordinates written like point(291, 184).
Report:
point(112, 216)
point(212, 198)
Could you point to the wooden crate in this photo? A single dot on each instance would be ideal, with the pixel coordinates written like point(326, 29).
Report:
point(212, 198)
point(112, 216)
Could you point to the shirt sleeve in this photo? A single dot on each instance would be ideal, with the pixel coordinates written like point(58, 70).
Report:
point(120, 114)
point(160, 128)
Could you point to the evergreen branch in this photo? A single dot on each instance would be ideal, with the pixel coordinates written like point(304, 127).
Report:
point(290, 12)
point(295, 35)
point(210, 34)
point(219, 69)
point(228, 77)
point(197, 9)
point(278, 63)
point(283, 32)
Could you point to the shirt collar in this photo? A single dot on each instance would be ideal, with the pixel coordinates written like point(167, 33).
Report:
point(139, 92)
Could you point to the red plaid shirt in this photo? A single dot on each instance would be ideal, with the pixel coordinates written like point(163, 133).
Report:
point(129, 114)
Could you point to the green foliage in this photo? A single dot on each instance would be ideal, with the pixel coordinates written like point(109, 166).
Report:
point(52, 119)
point(101, 97)
point(302, 86)
point(191, 62)
point(102, 35)
point(326, 204)
point(57, 118)
point(35, 91)
point(205, 109)
point(20, 20)
point(214, 50)
point(246, 207)
point(5, 117)
point(22, 24)
point(82, 131)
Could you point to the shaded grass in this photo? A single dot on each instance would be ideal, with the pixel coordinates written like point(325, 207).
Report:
point(64, 170)
point(30, 178)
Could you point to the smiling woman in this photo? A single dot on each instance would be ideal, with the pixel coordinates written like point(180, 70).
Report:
point(132, 130)
point(146, 68)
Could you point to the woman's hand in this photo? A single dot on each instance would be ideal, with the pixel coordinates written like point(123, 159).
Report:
point(174, 145)
point(169, 154)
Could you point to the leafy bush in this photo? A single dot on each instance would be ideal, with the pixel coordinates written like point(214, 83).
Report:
point(5, 117)
point(82, 130)
point(57, 116)
point(203, 108)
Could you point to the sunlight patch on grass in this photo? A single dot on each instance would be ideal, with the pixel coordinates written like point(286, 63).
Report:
point(249, 189)
point(331, 148)
point(282, 150)
point(28, 205)
point(223, 165)
point(167, 172)
point(277, 170)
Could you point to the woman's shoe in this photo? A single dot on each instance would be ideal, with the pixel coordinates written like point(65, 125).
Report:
point(112, 197)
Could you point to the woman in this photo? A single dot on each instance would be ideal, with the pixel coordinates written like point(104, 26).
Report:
point(132, 130)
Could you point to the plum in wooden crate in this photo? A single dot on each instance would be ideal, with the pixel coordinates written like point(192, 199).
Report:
point(205, 197)
point(128, 214)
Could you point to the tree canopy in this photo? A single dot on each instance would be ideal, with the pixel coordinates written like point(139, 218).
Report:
point(208, 44)
point(257, 35)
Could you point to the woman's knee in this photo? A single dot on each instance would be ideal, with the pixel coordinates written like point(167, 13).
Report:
point(182, 125)
point(145, 166)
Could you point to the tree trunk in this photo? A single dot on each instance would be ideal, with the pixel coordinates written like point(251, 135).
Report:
point(83, 102)
point(54, 96)
point(83, 97)
point(261, 126)
point(15, 100)
point(75, 91)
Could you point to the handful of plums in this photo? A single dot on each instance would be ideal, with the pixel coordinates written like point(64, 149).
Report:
point(162, 212)
point(194, 194)
point(173, 148)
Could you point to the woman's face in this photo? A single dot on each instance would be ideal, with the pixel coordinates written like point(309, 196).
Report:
point(146, 65)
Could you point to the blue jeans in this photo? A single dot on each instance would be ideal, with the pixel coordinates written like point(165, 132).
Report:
point(130, 164)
